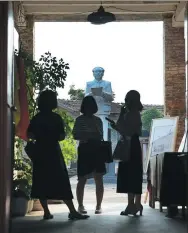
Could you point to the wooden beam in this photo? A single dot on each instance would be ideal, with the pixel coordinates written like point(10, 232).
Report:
point(85, 9)
point(93, 3)
point(178, 17)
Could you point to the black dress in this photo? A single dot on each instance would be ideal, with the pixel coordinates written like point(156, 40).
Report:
point(88, 162)
point(130, 173)
point(50, 176)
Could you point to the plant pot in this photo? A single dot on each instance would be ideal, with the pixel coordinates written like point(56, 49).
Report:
point(37, 206)
point(19, 206)
point(30, 206)
point(55, 202)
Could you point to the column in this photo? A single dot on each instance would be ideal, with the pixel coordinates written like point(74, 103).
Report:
point(186, 58)
point(174, 74)
point(6, 102)
point(186, 66)
point(26, 33)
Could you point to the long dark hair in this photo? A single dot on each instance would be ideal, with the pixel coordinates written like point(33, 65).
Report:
point(132, 100)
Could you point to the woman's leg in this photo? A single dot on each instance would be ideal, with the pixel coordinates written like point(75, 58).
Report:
point(80, 191)
point(47, 214)
point(131, 208)
point(131, 198)
point(73, 213)
point(138, 199)
point(99, 190)
point(70, 206)
point(139, 207)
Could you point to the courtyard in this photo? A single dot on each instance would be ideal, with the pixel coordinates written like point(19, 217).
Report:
point(109, 221)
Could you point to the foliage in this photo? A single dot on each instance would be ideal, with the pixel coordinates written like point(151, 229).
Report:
point(76, 94)
point(68, 146)
point(22, 177)
point(68, 121)
point(148, 116)
point(48, 72)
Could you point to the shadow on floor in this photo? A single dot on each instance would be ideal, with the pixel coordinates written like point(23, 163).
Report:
point(152, 222)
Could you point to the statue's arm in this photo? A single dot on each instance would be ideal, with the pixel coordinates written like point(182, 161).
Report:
point(108, 94)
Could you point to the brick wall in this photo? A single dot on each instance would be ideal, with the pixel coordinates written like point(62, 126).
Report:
point(174, 74)
point(27, 36)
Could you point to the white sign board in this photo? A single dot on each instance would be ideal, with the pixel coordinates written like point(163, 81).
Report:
point(162, 137)
point(184, 143)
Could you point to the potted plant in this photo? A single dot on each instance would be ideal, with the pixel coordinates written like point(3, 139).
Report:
point(21, 202)
point(37, 206)
point(20, 198)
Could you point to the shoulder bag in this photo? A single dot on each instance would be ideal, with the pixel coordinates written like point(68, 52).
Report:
point(122, 150)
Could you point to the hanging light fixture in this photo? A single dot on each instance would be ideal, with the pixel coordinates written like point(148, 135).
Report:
point(101, 16)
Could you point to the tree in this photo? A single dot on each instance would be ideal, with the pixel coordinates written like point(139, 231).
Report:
point(48, 72)
point(76, 94)
point(148, 116)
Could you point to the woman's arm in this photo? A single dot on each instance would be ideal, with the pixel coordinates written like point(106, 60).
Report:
point(31, 130)
point(100, 128)
point(129, 124)
point(61, 129)
point(30, 135)
point(79, 132)
point(76, 130)
point(118, 126)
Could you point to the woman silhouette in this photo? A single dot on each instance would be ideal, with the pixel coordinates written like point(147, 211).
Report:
point(50, 176)
point(130, 173)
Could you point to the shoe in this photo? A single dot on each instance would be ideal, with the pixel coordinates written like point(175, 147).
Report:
point(48, 216)
point(172, 211)
point(130, 210)
point(82, 210)
point(139, 208)
point(98, 211)
point(77, 216)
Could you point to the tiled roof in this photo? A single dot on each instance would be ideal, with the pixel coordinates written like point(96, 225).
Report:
point(73, 107)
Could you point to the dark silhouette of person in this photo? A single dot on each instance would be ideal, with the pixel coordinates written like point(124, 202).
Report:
point(50, 176)
point(88, 128)
point(130, 173)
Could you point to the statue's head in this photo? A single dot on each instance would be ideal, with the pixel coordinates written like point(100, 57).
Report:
point(98, 73)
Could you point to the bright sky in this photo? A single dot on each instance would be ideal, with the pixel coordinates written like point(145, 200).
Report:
point(130, 52)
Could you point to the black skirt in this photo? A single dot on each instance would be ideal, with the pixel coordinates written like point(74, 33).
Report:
point(50, 175)
point(89, 161)
point(130, 173)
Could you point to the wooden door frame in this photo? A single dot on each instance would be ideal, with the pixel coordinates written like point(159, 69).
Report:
point(6, 103)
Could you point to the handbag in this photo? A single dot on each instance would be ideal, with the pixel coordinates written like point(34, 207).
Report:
point(30, 149)
point(122, 150)
point(105, 149)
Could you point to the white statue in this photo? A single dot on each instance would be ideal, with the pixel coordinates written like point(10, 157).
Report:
point(101, 90)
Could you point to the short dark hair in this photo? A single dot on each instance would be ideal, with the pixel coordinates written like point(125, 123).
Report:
point(47, 100)
point(89, 104)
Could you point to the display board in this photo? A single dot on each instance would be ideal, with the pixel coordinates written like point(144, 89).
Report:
point(162, 137)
